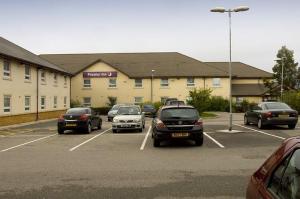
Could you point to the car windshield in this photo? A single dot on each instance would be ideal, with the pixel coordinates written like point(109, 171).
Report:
point(180, 113)
point(115, 107)
point(277, 106)
point(128, 111)
point(78, 111)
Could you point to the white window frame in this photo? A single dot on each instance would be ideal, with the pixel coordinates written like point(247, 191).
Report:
point(216, 82)
point(138, 84)
point(190, 83)
point(164, 82)
point(43, 105)
point(27, 77)
point(65, 101)
point(163, 99)
point(7, 109)
point(239, 99)
point(112, 85)
point(87, 85)
point(55, 102)
point(6, 72)
point(43, 76)
point(55, 78)
point(85, 103)
point(27, 107)
point(138, 100)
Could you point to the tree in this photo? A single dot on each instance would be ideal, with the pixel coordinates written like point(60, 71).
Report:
point(285, 58)
point(111, 101)
point(200, 99)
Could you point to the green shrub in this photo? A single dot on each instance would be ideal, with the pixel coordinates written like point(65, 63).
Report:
point(200, 99)
point(218, 103)
point(111, 101)
point(292, 98)
point(75, 103)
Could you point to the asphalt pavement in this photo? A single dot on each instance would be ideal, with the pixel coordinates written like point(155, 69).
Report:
point(36, 162)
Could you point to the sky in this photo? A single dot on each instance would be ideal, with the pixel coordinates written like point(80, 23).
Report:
point(185, 26)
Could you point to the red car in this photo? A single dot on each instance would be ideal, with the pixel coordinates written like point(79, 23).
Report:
point(279, 176)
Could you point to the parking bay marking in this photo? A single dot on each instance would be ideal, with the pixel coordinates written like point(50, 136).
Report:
point(282, 138)
point(28, 142)
point(145, 139)
point(215, 141)
point(79, 145)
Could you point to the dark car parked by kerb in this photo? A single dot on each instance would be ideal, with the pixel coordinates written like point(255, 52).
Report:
point(271, 113)
point(79, 119)
point(149, 109)
point(279, 176)
point(177, 122)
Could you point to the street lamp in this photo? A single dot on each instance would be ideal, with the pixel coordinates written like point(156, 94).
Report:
point(222, 10)
point(152, 74)
point(281, 86)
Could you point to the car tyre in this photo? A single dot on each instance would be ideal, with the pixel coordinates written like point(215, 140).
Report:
point(115, 131)
point(156, 142)
point(99, 125)
point(246, 122)
point(88, 128)
point(60, 131)
point(259, 124)
point(292, 126)
point(199, 142)
point(141, 130)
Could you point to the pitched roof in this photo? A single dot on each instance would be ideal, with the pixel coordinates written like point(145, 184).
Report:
point(138, 65)
point(241, 70)
point(248, 89)
point(12, 50)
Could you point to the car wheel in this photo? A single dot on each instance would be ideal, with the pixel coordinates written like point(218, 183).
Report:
point(141, 130)
point(89, 128)
point(156, 142)
point(246, 122)
point(292, 126)
point(115, 131)
point(143, 125)
point(99, 125)
point(259, 124)
point(60, 131)
point(199, 142)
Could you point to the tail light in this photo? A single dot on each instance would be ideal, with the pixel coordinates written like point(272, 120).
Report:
point(199, 122)
point(268, 114)
point(61, 118)
point(160, 124)
point(83, 117)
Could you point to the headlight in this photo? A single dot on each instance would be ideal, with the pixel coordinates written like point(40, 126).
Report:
point(138, 120)
point(115, 120)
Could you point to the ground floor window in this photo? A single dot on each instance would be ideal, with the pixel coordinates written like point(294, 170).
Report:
point(112, 83)
point(87, 101)
point(27, 103)
point(7, 104)
point(163, 99)
point(65, 101)
point(239, 99)
point(43, 102)
point(138, 100)
point(55, 102)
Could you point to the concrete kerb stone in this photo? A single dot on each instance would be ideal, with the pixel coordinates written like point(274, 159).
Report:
point(26, 124)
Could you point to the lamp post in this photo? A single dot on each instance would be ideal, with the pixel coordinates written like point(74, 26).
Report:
point(222, 10)
point(152, 74)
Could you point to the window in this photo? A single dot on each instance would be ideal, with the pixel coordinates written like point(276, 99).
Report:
point(27, 103)
point(239, 99)
point(55, 102)
point(112, 83)
point(190, 81)
point(65, 80)
point(87, 83)
point(138, 100)
point(164, 82)
point(6, 69)
point(27, 72)
point(65, 101)
point(55, 78)
point(216, 82)
point(138, 83)
point(285, 180)
point(6, 104)
point(87, 101)
point(43, 102)
point(43, 76)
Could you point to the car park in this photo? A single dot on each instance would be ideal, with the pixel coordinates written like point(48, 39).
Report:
point(128, 117)
point(85, 119)
point(279, 176)
point(149, 109)
point(271, 113)
point(177, 122)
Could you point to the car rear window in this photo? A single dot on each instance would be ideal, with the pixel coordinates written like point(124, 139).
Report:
point(277, 106)
point(180, 113)
point(78, 111)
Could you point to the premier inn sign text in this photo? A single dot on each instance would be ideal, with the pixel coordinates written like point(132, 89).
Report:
point(99, 74)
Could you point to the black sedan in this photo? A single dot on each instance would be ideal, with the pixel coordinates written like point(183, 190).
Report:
point(79, 118)
point(177, 122)
point(149, 109)
point(271, 113)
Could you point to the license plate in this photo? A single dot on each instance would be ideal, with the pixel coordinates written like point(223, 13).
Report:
point(125, 125)
point(176, 135)
point(283, 116)
point(71, 125)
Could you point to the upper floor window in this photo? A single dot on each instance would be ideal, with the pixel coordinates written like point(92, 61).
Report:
point(7, 104)
point(43, 76)
point(87, 102)
point(87, 83)
point(190, 81)
point(43, 102)
point(138, 83)
point(27, 103)
point(55, 77)
point(216, 82)
point(27, 72)
point(164, 82)
point(55, 102)
point(6, 69)
point(65, 80)
point(112, 83)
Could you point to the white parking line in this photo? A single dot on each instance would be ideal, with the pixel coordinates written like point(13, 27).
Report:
point(215, 141)
point(282, 138)
point(75, 147)
point(28, 143)
point(145, 139)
